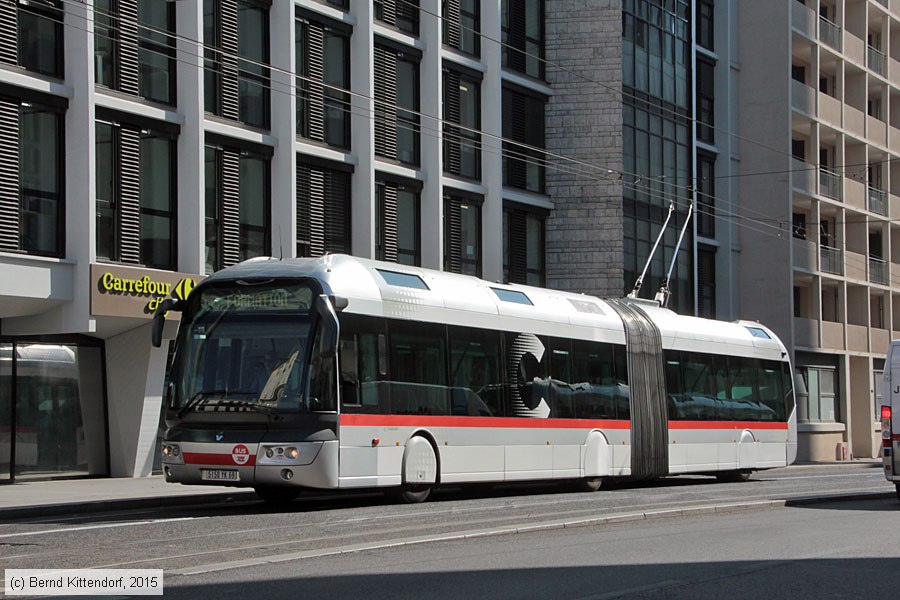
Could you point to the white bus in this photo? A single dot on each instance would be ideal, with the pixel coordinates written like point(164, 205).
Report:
point(890, 426)
point(340, 372)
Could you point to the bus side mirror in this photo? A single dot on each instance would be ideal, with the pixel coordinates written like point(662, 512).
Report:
point(330, 326)
point(159, 318)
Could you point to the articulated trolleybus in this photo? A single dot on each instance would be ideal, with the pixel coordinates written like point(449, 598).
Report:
point(890, 416)
point(340, 372)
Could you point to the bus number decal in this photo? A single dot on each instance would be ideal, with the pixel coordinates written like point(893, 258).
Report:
point(240, 454)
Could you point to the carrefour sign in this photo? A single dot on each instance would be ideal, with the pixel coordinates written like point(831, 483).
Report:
point(118, 291)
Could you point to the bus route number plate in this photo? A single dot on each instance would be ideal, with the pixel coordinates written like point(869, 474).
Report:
point(219, 475)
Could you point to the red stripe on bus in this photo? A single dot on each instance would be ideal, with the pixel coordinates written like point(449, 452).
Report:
point(500, 422)
point(202, 458)
point(524, 422)
point(727, 425)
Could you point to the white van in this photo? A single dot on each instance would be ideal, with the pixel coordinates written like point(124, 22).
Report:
point(890, 416)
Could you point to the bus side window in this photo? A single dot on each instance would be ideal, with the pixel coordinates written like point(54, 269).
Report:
point(622, 391)
point(674, 384)
point(348, 350)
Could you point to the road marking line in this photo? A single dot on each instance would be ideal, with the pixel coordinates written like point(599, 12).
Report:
point(104, 526)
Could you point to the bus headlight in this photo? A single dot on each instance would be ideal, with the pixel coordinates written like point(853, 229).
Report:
point(300, 453)
point(171, 453)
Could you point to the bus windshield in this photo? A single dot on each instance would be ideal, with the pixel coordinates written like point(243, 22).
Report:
point(243, 348)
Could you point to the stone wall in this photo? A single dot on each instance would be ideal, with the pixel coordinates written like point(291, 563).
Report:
point(584, 122)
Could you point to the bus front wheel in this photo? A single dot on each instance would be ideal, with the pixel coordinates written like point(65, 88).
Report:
point(276, 495)
point(413, 494)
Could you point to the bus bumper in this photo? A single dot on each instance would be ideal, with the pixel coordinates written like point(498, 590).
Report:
point(316, 465)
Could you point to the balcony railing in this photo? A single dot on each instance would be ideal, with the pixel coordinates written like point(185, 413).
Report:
point(832, 260)
point(877, 201)
point(878, 271)
point(876, 61)
point(829, 33)
point(830, 184)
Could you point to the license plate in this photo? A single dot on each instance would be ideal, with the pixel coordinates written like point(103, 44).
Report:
point(219, 475)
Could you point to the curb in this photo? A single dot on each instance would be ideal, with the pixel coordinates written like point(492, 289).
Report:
point(100, 506)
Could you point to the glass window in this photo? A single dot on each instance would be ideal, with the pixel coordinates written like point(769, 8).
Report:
point(60, 420)
point(461, 29)
point(328, 121)
point(705, 24)
point(157, 200)
point(106, 168)
point(512, 296)
point(523, 247)
point(706, 102)
point(6, 411)
point(407, 111)
point(593, 380)
point(156, 52)
point(40, 35)
point(462, 145)
point(522, 33)
point(337, 75)
point(40, 164)
point(403, 279)
point(476, 372)
point(407, 226)
point(212, 65)
point(325, 228)
point(418, 362)
point(254, 201)
point(523, 165)
point(211, 193)
point(462, 236)
point(105, 43)
point(253, 54)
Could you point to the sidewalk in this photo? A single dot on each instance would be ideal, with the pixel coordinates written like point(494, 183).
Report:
point(27, 499)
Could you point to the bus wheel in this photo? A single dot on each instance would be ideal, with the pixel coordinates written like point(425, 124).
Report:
point(589, 484)
point(277, 495)
point(734, 476)
point(413, 494)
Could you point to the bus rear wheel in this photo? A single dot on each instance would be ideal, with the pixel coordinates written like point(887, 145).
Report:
point(276, 495)
point(734, 476)
point(589, 484)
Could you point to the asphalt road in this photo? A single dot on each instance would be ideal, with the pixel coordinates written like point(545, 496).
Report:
point(680, 537)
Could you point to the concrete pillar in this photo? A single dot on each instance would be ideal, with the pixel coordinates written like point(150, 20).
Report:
point(492, 148)
point(135, 374)
point(284, 103)
point(362, 131)
point(190, 148)
point(431, 202)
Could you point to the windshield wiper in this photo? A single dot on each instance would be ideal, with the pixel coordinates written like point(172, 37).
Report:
point(197, 398)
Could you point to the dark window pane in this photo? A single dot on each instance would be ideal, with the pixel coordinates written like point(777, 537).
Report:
point(156, 54)
point(105, 43)
point(211, 178)
point(157, 200)
point(253, 78)
point(40, 161)
point(106, 190)
point(41, 37)
point(254, 201)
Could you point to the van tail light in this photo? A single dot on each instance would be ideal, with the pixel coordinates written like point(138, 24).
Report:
point(886, 426)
